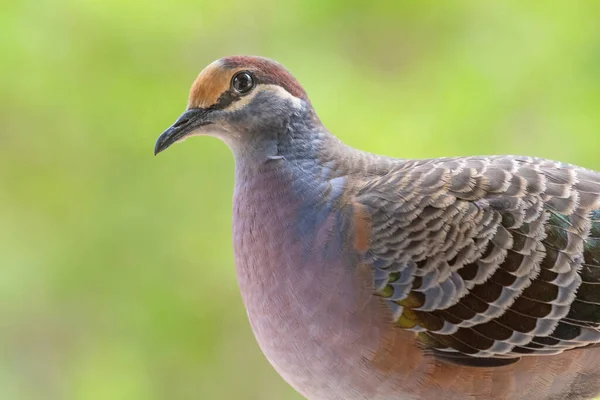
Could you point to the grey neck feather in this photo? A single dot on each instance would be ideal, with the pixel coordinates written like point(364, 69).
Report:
point(301, 144)
point(299, 138)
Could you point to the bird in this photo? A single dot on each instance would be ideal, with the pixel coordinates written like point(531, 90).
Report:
point(372, 277)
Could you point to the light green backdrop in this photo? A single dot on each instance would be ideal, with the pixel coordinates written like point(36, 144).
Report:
point(116, 270)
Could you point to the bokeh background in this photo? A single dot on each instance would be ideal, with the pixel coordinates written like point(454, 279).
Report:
point(116, 271)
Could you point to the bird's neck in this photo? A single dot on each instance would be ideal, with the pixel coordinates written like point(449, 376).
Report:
point(284, 191)
point(296, 141)
point(302, 144)
point(286, 171)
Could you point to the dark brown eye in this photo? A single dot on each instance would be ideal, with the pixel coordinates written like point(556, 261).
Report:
point(242, 82)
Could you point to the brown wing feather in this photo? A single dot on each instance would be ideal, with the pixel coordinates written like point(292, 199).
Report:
point(493, 257)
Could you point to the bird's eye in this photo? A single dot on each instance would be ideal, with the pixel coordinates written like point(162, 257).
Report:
point(242, 82)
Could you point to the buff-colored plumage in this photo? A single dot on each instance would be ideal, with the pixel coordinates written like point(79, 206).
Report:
point(367, 277)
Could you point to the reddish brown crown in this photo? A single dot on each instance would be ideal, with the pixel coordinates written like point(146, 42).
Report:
point(215, 79)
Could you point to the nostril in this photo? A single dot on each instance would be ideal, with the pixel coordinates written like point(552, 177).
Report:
point(180, 122)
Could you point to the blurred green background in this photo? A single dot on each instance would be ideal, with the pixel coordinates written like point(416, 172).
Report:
point(117, 278)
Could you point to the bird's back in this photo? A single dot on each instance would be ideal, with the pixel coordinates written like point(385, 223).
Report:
point(494, 263)
point(494, 257)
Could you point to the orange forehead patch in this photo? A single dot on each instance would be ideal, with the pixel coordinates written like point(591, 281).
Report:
point(209, 85)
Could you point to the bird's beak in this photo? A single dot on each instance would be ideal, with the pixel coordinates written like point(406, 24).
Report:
point(188, 122)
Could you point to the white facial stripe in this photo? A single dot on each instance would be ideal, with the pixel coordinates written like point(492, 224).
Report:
point(275, 89)
point(209, 130)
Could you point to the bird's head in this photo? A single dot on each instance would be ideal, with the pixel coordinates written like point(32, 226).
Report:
point(237, 99)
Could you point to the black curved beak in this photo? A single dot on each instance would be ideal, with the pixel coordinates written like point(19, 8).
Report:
point(185, 124)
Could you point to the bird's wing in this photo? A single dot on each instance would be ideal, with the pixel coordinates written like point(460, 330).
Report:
point(487, 259)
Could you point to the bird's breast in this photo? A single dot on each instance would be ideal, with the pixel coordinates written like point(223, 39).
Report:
point(309, 299)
